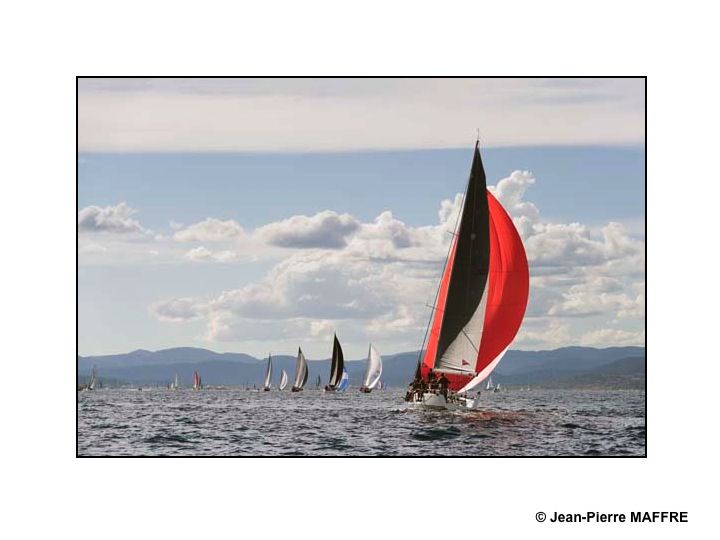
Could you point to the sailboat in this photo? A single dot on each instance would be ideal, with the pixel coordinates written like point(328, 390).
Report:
point(283, 380)
point(301, 372)
point(344, 382)
point(268, 375)
point(497, 388)
point(336, 367)
point(318, 383)
point(93, 379)
point(489, 385)
point(481, 298)
point(197, 381)
point(373, 371)
point(174, 385)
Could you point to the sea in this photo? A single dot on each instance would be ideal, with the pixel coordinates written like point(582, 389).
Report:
point(240, 422)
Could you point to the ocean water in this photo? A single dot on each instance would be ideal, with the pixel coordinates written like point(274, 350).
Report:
point(238, 422)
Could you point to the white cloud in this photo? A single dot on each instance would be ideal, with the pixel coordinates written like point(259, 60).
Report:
point(178, 309)
point(326, 229)
point(109, 219)
point(209, 230)
point(376, 281)
point(606, 337)
point(202, 254)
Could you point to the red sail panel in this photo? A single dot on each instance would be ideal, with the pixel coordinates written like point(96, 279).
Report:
point(432, 343)
point(509, 284)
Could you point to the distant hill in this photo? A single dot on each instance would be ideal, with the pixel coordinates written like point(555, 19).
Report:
point(627, 373)
point(579, 366)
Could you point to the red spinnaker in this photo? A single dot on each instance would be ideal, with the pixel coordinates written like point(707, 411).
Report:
point(507, 295)
point(509, 285)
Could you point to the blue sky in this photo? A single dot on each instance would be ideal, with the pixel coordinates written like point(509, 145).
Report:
point(183, 243)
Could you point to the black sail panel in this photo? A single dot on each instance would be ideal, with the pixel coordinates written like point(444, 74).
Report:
point(337, 363)
point(472, 258)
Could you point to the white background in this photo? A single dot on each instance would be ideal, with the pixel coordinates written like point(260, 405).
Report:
point(48, 493)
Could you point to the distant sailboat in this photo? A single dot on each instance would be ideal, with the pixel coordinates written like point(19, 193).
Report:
point(283, 380)
point(489, 385)
point(373, 371)
point(344, 382)
point(481, 298)
point(497, 388)
point(93, 379)
point(174, 385)
point(301, 372)
point(197, 381)
point(268, 375)
point(336, 367)
point(318, 383)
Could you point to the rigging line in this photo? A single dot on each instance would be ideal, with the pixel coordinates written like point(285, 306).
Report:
point(447, 258)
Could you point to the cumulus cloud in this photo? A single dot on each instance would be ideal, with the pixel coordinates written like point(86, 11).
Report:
point(178, 309)
point(376, 280)
point(202, 254)
point(325, 229)
point(209, 230)
point(109, 219)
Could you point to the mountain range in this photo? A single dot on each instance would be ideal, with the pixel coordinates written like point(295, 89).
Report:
point(568, 367)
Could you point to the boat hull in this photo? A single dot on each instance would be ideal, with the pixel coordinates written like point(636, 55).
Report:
point(438, 402)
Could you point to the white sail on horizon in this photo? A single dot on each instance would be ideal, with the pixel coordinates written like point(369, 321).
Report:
point(374, 368)
point(301, 371)
point(283, 380)
point(268, 374)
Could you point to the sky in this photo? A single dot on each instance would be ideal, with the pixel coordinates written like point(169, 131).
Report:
point(256, 215)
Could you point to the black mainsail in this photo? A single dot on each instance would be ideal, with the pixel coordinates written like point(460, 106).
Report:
point(336, 369)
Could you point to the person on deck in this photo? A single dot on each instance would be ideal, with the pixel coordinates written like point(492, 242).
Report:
point(444, 383)
point(431, 380)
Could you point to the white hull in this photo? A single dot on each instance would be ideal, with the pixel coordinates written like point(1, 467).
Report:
point(438, 402)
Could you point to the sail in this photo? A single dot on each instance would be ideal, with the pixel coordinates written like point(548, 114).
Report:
point(93, 379)
point(301, 370)
point(196, 381)
point(374, 369)
point(483, 290)
point(344, 382)
point(489, 384)
point(268, 374)
point(283, 380)
point(318, 383)
point(336, 369)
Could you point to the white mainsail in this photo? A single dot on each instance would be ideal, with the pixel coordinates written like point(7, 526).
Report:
point(301, 371)
point(283, 380)
point(93, 379)
point(268, 374)
point(374, 369)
